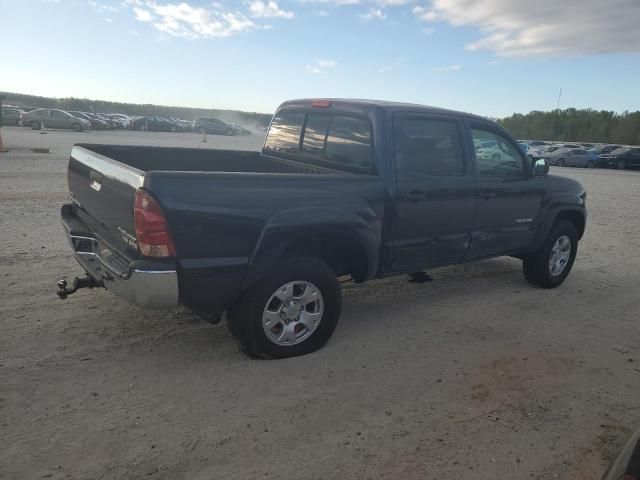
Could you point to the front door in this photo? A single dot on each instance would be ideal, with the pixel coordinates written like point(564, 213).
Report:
point(509, 196)
point(436, 192)
point(58, 119)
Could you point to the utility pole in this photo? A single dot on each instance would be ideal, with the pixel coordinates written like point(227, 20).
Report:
point(559, 97)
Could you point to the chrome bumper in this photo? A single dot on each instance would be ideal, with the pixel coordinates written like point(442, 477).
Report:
point(142, 284)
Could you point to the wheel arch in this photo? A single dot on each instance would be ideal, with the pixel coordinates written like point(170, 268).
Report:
point(347, 244)
point(575, 215)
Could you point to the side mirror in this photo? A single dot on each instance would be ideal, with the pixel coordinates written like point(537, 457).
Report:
point(540, 167)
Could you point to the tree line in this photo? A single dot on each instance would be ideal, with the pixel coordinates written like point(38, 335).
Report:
point(572, 125)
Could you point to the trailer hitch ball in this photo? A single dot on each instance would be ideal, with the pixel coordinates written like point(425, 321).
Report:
point(86, 282)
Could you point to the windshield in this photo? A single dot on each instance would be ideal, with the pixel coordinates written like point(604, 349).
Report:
point(621, 150)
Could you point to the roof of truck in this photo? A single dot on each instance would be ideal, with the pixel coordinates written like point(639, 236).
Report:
point(358, 102)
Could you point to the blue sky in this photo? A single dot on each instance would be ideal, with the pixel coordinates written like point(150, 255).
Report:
point(491, 57)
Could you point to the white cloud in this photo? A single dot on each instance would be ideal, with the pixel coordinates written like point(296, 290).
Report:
point(428, 30)
point(320, 66)
point(544, 27)
point(384, 68)
point(268, 9)
point(142, 15)
point(448, 68)
point(374, 13)
point(186, 21)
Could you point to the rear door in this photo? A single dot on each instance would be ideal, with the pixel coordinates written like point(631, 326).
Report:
point(509, 197)
point(436, 192)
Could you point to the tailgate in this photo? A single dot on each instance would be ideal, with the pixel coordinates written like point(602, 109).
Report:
point(103, 191)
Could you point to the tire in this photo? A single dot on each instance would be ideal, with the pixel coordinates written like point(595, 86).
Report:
point(202, 131)
point(245, 318)
point(621, 164)
point(590, 164)
point(76, 127)
point(35, 125)
point(560, 162)
point(230, 132)
point(530, 157)
point(537, 266)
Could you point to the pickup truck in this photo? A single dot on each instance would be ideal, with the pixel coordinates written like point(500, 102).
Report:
point(355, 188)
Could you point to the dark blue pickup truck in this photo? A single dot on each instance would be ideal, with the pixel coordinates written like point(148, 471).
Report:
point(341, 187)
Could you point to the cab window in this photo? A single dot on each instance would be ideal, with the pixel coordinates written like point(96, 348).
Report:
point(496, 155)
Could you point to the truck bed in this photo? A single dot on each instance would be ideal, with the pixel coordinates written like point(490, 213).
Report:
point(147, 159)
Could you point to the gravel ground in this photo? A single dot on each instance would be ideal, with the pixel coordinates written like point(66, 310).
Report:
point(475, 375)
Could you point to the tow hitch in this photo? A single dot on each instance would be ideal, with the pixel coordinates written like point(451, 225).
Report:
point(78, 283)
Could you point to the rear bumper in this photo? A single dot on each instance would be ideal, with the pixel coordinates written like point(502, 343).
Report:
point(143, 283)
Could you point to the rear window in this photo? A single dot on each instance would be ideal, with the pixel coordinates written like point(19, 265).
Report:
point(349, 141)
point(429, 147)
point(338, 140)
point(284, 134)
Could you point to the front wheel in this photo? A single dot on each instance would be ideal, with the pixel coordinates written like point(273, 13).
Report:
point(291, 312)
point(621, 165)
point(35, 125)
point(230, 132)
point(550, 266)
point(560, 162)
point(76, 127)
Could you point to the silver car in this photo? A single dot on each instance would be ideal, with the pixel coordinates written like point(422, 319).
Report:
point(570, 157)
point(53, 118)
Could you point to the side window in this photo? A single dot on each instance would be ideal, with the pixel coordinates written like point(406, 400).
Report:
point(315, 133)
point(284, 134)
point(430, 147)
point(349, 141)
point(501, 159)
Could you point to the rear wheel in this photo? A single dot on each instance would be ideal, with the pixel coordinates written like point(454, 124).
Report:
point(621, 164)
point(560, 162)
point(35, 125)
point(550, 266)
point(291, 312)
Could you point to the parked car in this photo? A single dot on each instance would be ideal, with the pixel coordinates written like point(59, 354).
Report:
point(624, 157)
point(241, 130)
point(208, 229)
point(537, 143)
point(541, 152)
point(213, 126)
point(626, 465)
point(156, 124)
point(119, 120)
point(53, 118)
point(96, 124)
point(184, 124)
point(570, 157)
point(601, 153)
point(11, 115)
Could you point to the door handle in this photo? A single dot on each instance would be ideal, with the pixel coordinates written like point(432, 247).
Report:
point(488, 195)
point(416, 196)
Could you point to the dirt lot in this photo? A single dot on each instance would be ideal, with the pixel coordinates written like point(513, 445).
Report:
point(476, 375)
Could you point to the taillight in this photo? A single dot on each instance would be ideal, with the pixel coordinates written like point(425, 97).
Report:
point(152, 230)
point(321, 103)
